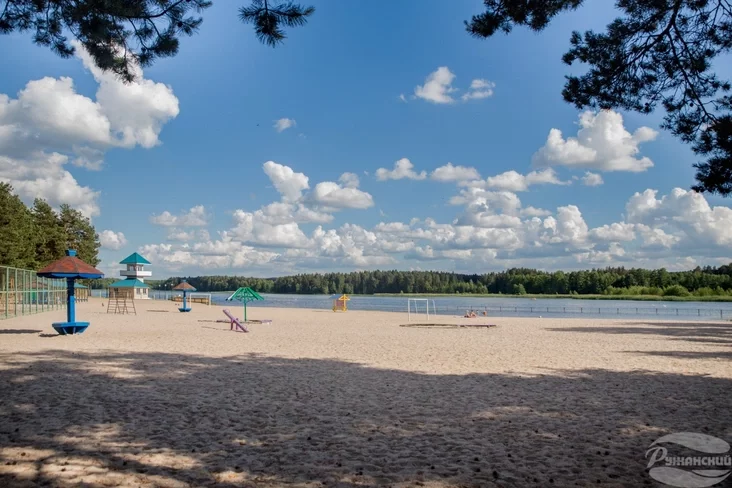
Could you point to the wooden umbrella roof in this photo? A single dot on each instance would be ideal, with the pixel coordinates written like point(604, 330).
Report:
point(184, 286)
point(70, 267)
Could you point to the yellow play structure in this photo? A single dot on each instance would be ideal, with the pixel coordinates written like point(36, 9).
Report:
point(340, 305)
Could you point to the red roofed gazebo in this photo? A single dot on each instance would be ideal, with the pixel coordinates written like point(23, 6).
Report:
point(185, 287)
point(71, 268)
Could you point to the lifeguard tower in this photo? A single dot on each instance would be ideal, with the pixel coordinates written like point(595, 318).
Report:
point(133, 286)
point(340, 304)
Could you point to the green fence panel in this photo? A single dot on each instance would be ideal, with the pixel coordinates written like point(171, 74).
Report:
point(22, 292)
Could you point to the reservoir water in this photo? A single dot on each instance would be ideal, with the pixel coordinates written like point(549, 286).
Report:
point(497, 306)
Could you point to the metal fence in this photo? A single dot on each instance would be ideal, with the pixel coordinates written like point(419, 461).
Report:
point(688, 313)
point(22, 292)
point(204, 298)
point(609, 312)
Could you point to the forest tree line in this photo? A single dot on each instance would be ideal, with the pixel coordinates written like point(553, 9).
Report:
point(707, 281)
point(34, 237)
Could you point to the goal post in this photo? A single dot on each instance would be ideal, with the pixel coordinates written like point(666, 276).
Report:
point(413, 307)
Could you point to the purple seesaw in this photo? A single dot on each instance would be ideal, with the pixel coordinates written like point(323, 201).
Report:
point(235, 323)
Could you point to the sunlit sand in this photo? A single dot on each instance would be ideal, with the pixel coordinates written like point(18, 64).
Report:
point(318, 398)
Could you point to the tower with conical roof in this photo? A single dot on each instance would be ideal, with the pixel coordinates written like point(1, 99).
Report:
point(135, 267)
point(133, 285)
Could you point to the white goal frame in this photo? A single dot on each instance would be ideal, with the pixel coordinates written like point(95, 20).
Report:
point(416, 309)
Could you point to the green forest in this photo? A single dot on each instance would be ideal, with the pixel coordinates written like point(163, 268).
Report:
point(34, 237)
point(700, 282)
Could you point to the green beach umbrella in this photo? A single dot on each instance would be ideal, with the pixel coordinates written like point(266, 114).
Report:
point(245, 295)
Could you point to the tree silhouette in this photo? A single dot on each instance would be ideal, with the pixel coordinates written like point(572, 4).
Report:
point(659, 52)
point(268, 19)
point(121, 34)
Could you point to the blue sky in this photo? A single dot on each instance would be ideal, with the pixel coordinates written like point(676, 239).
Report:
point(197, 132)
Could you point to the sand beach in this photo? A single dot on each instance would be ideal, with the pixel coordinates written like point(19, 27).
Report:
point(316, 398)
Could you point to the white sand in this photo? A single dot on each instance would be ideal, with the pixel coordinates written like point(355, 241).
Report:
point(350, 399)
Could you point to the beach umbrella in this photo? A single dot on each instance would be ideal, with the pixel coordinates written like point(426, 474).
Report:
point(245, 295)
point(185, 287)
point(71, 268)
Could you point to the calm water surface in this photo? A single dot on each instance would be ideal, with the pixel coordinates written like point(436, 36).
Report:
point(508, 307)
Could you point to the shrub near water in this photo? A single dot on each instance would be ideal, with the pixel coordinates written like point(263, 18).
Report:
point(635, 291)
point(676, 291)
point(669, 291)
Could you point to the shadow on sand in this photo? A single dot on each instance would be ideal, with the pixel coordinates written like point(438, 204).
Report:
point(708, 332)
point(184, 420)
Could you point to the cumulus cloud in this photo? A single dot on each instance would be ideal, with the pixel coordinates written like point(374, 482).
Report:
point(316, 206)
point(493, 230)
point(195, 217)
point(288, 183)
point(402, 169)
point(272, 234)
point(223, 254)
point(449, 173)
point(43, 175)
point(333, 195)
point(684, 212)
point(592, 179)
point(489, 220)
point(615, 232)
point(349, 180)
point(488, 209)
point(613, 253)
point(515, 181)
point(477, 199)
point(327, 196)
point(186, 236)
point(602, 143)
point(136, 111)
point(479, 89)
point(110, 239)
point(284, 124)
point(282, 213)
point(49, 126)
point(437, 87)
point(350, 244)
point(534, 212)
point(569, 227)
point(656, 237)
point(253, 228)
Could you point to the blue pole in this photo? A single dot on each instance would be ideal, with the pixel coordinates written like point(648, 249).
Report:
point(70, 301)
point(184, 300)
